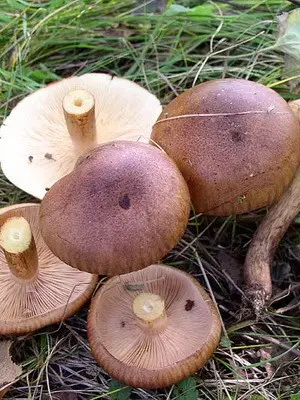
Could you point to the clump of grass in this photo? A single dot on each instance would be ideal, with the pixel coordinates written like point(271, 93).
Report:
point(166, 53)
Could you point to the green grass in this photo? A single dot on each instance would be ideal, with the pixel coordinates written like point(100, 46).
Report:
point(166, 53)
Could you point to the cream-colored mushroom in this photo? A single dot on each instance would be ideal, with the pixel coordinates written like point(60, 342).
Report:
point(46, 132)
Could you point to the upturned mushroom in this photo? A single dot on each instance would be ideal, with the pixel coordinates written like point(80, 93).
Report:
point(36, 288)
point(46, 132)
point(266, 239)
point(123, 207)
point(236, 142)
point(152, 328)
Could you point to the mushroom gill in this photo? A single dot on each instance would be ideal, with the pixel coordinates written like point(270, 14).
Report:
point(153, 327)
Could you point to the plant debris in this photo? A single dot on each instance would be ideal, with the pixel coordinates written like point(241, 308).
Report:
point(9, 371)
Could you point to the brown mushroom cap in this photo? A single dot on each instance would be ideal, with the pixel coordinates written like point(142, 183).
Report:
point(55, 293)
point(236, 142)
point(147, 354)
point(123, 207)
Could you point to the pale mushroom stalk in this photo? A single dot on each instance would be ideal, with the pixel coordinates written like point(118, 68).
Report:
point(79, 112)
point(149, 309)
point(19, 248)
point(264, 244)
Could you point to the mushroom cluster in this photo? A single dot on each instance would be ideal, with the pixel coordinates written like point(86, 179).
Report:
point(111, 204)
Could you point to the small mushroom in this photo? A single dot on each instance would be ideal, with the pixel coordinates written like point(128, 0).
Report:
point(266, 239)
point(152, 328)
point(66, 119)
point(123, 207)
point(36, 288)
point(236, 142)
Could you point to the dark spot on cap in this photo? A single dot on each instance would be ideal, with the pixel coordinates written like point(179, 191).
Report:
point(122, 324)
point(30, 158)
point(189, 305)
point(124, 202)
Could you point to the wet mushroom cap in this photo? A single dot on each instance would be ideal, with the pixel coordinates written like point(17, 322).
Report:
point(236, 142)
point(54, 294)
point(36, 146)
point(153, 353)
point(125, 206)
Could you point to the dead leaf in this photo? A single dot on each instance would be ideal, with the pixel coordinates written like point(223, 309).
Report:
point(9, 371)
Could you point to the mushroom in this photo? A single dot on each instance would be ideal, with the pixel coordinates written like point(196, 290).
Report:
point(152, 328)
point(123, 207)
point(36, 288)
point(46, 132)
point(266, 239)
point(236, 142)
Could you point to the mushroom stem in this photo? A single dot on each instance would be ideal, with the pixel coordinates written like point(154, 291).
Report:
point(260, 254)
point(150, 311)
point(79, 112)
point(18, 245)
